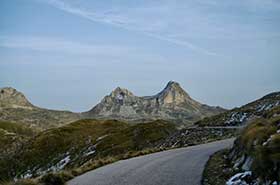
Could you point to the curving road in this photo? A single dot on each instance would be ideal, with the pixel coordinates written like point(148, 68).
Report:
point(183, 166)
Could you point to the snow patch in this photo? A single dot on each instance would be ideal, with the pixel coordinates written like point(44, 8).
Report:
point(90, 150)
point(238, 179)
point(89, 153)
point(61, 164)
point(237, 117)
point(267, 141)
point(266, 106)
point(101, 137)
point(58, 166)
point(27, 175)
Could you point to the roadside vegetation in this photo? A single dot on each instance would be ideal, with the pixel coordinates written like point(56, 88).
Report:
point(218, 169)
point(255, 155)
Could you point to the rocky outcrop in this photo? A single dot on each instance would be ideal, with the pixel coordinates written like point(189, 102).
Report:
point(172, 103)
point(10, 97)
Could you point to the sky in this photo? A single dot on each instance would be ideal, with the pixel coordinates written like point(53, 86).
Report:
point(69, 54)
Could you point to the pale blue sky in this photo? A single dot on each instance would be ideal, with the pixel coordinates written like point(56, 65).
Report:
point(69, 54)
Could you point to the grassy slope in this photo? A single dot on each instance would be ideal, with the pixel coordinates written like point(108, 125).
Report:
point(107, 138)
point(38, 118)
point(11, 134)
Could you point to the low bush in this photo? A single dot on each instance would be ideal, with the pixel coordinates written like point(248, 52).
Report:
point(21, 182)
point(56, 178)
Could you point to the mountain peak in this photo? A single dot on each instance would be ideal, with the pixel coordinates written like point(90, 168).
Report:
point(120, 93)
point(11, 97)
point(173, 93)
point(172, 103)
point(173, 85)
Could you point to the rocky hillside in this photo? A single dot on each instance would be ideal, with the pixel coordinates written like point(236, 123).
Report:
point(254, 158)
point(172, 104)
point(11, 98)
point(76, 144)
point(13, 136)
point(239, 116)
point(14, 107)
point(256, 153)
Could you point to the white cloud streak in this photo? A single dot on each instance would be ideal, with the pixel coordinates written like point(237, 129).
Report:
point(60, 45)
point(69, 47)
point(152, 30)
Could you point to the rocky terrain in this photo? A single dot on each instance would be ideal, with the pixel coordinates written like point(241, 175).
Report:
point(198, 135)
point(256, 152)
point(172, 104)
point(240, 116)
point(254, 158)
point(14, 107)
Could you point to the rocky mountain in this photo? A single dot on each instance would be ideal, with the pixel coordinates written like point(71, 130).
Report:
point(11, 98)
point(14, 107)
point(172, 104)
point(239, 116)
point(256, 152)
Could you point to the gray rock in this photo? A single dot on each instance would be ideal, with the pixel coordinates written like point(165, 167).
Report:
point(10, 97)
point(247, 164)
point(172, 103)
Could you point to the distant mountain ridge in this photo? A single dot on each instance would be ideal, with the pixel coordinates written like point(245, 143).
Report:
point(15, 107)
point(244, 114)
point(172, 103)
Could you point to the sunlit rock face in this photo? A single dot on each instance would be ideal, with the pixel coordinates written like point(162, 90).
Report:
point(172, 103)
point(10, 97)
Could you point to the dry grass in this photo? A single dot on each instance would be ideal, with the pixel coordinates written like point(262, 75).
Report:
point(93, 164)
point(22, 182)
point(261, 141)
point(60, 178)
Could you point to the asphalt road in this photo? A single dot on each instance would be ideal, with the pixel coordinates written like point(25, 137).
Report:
point(182, 166)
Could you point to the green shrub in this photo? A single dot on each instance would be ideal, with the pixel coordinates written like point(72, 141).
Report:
point(261, 141)
point(53, 179)
point(21, 182)
point(256, 134)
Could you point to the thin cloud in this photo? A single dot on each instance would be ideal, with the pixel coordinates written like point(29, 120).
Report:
point(126, 23)
point(57, 45)
point(60, 45)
